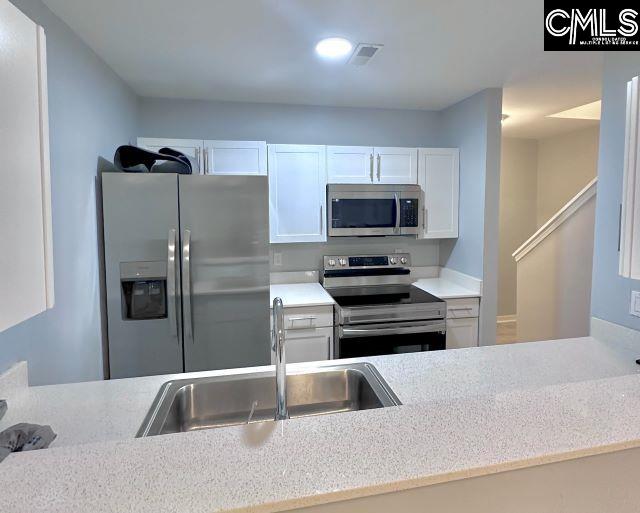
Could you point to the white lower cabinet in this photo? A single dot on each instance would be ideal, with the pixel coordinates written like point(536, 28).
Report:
point(462, 322)
point(462, 333)
point(308, 334)
point(308, 345)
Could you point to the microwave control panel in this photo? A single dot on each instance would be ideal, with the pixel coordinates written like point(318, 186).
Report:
point(409, 213)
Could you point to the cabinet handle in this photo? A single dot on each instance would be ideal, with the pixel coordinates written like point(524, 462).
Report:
point(378, 167)
point(310, 321)
point(371, 167)
point(321, 221)
point(198, 160)
point(205, 153)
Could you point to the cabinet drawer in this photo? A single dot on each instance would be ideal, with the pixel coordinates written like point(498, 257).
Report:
point(306, 317)
point(463, 308)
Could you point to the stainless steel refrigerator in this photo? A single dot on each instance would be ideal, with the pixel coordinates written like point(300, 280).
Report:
point(186, 271)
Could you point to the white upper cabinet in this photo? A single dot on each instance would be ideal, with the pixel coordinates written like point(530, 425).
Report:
point(297, 193)
point(395, 165)
point(235, 157)
point(192, 148)
point(629, 237)
point(368, 164)
point(439, 177)
point(350, 164)
point(26, 259)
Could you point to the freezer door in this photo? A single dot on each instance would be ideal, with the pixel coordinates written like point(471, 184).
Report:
point(142, 268)
point(225, 271)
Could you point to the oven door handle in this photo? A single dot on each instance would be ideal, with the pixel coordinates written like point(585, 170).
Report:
point(431, 327)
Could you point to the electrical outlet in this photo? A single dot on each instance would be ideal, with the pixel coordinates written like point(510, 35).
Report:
point(634, 308)
point(277, 259)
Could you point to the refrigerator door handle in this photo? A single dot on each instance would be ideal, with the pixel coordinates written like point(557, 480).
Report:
point(171, 283)
point(186, 286)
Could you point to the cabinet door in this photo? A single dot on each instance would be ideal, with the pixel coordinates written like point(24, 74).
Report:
point(462, 333)
point(396, 165)
point(192, 148)
point(235, 157)
point(297, 193)
point(438, 175)
point(350, 164)
point(310, 345)
point(26, 259)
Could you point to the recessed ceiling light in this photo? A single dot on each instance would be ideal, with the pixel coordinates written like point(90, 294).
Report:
point(334, 47)
point(587, 111)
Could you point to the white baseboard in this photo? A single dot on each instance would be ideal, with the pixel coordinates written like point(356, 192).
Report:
point(503, 319)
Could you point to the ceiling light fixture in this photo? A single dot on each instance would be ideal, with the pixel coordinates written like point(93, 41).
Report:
point(334, 47)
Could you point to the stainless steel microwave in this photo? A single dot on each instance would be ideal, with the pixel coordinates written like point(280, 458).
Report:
point(373, 210)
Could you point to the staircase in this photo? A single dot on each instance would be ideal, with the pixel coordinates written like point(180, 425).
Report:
point(553, 296)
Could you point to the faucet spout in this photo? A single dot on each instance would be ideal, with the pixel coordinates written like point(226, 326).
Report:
point(277, 338)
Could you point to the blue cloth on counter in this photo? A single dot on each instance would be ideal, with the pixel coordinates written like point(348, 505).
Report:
point(25, 437)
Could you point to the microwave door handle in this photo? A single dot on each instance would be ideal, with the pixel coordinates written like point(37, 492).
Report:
point(397, 200)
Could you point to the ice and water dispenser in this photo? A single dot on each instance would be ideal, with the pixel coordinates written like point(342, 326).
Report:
point(143, 287)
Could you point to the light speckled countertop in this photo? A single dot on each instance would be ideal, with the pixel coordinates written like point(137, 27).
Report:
point(565, 399)
point(445, 289)
point(301, 294)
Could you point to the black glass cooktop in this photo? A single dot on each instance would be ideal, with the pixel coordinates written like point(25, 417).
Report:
point(381, 295)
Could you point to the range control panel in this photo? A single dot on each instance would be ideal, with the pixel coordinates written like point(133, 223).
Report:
point(367, 261)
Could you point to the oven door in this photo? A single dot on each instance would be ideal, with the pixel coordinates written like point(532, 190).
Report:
point(390, 338)
point(360, 213)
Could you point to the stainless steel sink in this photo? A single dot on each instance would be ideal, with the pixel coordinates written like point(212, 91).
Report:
point(204, 403)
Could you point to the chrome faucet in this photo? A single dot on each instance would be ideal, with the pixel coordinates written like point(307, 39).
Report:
point(277, 340)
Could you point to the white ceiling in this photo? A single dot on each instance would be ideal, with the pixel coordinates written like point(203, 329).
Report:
point(435, 53)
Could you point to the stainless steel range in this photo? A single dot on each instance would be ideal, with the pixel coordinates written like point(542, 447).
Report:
point(378, 310)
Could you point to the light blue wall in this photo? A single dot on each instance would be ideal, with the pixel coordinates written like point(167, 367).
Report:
point(610, 294)
point(91, 112)
point(473, 125)
point(295, 124)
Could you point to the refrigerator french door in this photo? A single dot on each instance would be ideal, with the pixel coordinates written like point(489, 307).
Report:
point(187, 272)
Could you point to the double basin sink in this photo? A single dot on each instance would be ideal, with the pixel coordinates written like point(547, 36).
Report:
point(211, 402)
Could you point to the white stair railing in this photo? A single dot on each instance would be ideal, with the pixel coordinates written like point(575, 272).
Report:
point(554, 273)
point(558, 218)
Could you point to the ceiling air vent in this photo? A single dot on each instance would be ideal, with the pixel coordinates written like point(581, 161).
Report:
point(364, 53)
